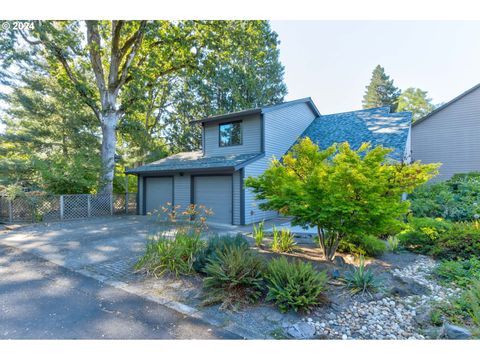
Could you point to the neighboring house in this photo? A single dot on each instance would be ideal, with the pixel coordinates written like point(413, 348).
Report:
point(242, 144)
point(450, 135)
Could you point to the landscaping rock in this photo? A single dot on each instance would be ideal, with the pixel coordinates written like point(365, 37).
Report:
point(301, 330)
point(456, 332)
point(407, 287)
point(335, 274)
point(339, 261)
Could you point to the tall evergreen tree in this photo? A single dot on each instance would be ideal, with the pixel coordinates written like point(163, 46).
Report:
point(381, 91)
point(416, 101)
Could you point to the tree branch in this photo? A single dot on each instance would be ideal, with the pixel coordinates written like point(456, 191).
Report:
point(94, 46)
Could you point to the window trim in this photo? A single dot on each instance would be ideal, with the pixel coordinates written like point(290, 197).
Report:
point(228, 123)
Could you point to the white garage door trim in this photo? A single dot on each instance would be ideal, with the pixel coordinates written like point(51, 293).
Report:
point(229, 218)
point(169, 196)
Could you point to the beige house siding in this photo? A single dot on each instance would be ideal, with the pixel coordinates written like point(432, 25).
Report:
point(450, 136)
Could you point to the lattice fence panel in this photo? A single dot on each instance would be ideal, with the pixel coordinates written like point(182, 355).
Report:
point(75, 206)
point(48, 208)
point(100, 205)
point(132, 203)
point(22, 210)
point(119, 204)
point(4, 204)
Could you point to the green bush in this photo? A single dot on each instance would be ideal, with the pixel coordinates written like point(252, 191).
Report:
point(234, 277)
point(461, 241)
point(361, 280)
point(457, 199)
point(422, 234)
point(283, 241)
point(175, 255)
point(258, 233)
point(462, 273)
point(214, 245)
point(294, 285)
point(365, 245)
point(441, 238)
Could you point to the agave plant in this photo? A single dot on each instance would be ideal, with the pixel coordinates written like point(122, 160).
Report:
point(361, 280)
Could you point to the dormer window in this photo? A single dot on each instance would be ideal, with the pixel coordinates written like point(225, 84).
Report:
point(230, 134)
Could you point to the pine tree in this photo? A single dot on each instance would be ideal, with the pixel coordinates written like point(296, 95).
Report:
point(381, 91)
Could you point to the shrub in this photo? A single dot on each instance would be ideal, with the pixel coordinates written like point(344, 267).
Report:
point(457, 199)
point(363, 245)
point(422, 234)
point(175, 255)
point(214, 245)
point(283, 241)
point(258, 233)
point(361, 279)
point(341, 191)
point(472, 300)
point(461, 241)
point(294, 285)
point(393, 244)
point(462, 273)
point(234, 277)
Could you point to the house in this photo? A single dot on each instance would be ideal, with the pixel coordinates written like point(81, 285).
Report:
point(242, 144)
point(450, 135)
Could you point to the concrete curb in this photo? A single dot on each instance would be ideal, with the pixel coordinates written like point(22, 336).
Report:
point(181, 308)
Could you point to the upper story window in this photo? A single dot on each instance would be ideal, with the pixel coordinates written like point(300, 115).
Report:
point(230, 134)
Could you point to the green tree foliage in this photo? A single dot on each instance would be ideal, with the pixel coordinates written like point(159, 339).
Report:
point(381, 91)
point(416, 101)
point(140, 82)
point(50, 140)
point(345, 193)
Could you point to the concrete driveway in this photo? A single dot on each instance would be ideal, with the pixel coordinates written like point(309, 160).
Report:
point(77, 244)
point(97, 250)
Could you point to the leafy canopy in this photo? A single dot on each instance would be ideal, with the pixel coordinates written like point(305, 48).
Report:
point(416, 101)
point(344, 192)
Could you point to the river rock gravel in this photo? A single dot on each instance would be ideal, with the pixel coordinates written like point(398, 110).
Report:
point(391, 317)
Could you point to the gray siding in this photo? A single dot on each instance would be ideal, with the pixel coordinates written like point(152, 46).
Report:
point(251, 138)
point(140, 195)
point(451, 137)
point(236, 198)
point(181, 191)
point(282, 128)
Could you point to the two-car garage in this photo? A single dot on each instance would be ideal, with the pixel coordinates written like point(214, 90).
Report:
point(213, 191)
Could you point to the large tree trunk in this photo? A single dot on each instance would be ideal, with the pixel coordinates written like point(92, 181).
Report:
point(109, 140)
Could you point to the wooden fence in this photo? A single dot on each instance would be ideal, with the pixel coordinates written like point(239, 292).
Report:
point(65, 207)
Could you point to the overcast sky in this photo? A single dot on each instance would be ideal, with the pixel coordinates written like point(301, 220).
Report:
point(332, 61)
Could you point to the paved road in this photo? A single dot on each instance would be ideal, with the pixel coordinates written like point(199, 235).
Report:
point(40, 300)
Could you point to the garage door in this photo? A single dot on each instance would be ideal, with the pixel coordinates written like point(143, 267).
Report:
point(215, 192)
point(158, 191)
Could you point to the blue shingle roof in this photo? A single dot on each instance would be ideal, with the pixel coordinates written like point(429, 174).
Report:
point(194, 161)
point(377, 126)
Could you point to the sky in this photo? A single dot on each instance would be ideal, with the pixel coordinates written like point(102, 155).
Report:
point(332, 61)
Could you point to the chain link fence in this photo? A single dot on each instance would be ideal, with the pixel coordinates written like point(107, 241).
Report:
point(65, 207)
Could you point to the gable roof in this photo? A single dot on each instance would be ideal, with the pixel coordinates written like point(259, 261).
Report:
point(259, 110)
point(440, 108)
point(194, 161)
point(377, 126)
